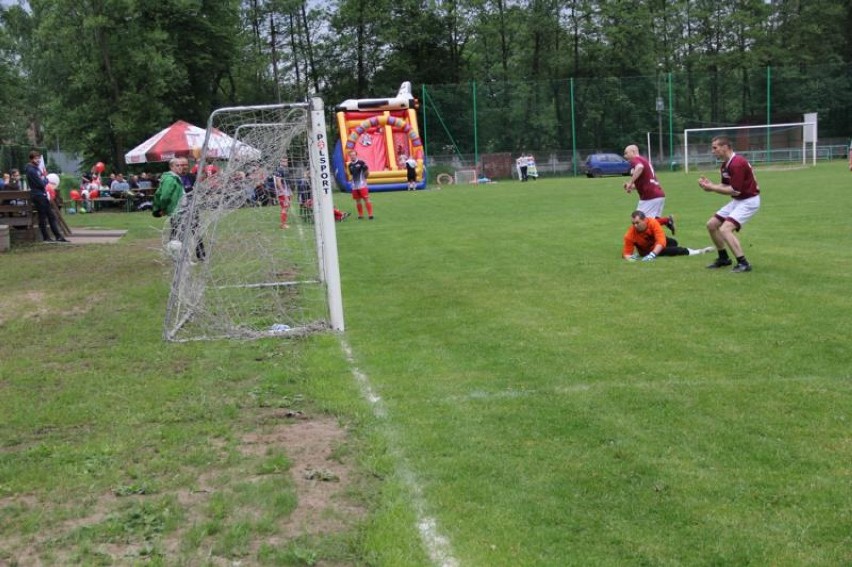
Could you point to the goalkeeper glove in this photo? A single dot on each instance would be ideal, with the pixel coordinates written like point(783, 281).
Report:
point(650, 257)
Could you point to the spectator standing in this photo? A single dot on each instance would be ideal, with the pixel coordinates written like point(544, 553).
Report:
point(170, 192)
point(38, 196)
point(523, 166)
point(411, 172)
point(172, 200)
point(739, 183)
point(188, 176)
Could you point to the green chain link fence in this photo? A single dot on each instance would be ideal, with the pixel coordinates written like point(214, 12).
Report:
point(560, 122)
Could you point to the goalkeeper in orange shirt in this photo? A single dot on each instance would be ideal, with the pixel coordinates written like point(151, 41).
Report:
point(645, 239)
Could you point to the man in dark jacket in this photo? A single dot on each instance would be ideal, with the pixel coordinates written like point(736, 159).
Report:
point(38, 197)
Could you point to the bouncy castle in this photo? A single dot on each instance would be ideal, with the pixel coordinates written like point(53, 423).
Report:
point(384, 133)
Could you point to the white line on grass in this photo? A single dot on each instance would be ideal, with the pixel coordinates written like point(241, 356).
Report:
point(437, 545)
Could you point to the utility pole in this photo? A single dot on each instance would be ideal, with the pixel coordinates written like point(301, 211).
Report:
point(661, 106)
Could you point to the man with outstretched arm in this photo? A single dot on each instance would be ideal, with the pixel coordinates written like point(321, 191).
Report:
point(645, 239)
point(739, 183)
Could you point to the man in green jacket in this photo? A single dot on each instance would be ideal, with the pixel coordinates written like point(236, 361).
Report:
point(171, 199)
point(170, 191)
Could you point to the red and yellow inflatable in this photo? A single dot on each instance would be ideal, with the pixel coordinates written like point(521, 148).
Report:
point(384, 133)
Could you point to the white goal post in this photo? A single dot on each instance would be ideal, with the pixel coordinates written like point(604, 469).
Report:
point(805, 133)
point(254, 245)
point(463, 176)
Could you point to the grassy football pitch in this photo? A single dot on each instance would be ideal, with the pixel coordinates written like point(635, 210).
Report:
point(545, 402)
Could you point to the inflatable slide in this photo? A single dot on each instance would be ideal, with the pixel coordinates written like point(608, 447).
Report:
point(384, 133)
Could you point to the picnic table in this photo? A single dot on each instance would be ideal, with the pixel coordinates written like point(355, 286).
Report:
point(104, 201)
point(139, 196)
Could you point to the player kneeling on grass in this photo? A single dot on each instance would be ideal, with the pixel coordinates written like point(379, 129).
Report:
point(645, 239)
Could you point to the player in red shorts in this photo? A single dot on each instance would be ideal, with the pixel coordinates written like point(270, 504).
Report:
point(360, 192)
point(282, 191)
point(644, 180)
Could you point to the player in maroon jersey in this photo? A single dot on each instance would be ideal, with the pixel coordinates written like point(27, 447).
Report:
point(739, 183)
point(644, 180)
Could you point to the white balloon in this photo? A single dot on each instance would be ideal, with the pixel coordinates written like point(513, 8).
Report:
point(53, 179)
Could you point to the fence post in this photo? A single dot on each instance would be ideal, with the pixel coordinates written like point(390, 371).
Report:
point(573, 132)
point(768, 113)
point(475, 134)
point(671, 122)
point(423, 103)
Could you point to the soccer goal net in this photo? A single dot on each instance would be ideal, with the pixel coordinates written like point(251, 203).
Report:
point(247, 264)
point(784, 145)
point(465, 176)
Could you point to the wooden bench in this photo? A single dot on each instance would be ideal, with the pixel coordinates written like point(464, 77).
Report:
point(17, 212)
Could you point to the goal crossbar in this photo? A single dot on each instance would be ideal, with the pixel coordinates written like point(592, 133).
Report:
point(804, 125)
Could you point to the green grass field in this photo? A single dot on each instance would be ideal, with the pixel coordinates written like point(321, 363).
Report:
point(545, 402)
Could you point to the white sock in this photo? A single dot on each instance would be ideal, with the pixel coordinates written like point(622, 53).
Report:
point(696, 252)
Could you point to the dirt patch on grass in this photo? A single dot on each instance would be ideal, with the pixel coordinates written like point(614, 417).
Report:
point(22, 305)
point(32, 305)
point(321, 476)
point(320, 473)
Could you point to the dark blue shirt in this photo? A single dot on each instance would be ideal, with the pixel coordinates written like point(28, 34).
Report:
point(34, 180)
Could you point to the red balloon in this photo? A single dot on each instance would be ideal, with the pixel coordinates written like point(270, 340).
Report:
point(75, 195)
point(100, 167)
point(94, 194)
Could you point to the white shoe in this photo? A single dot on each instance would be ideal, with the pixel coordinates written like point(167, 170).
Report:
point(696, 252)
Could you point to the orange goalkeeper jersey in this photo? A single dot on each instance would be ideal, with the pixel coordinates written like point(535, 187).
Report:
point(644, 241)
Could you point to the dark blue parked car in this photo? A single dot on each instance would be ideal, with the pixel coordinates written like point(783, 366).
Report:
point(598, 165)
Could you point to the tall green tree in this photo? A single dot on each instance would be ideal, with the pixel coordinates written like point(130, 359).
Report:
point(17, 106)
point(116, 71)
point(101, 75)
